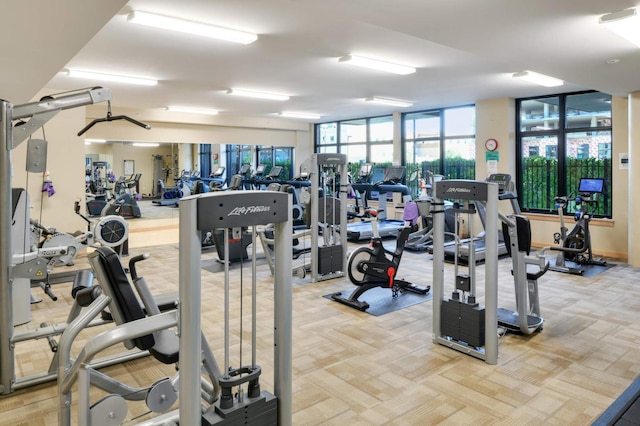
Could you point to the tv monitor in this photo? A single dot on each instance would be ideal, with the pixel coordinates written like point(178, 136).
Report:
point(260, 169)
point(393, 174)
point(365, 170)
point(275, 171)
point(245, 169)
point(591, 185)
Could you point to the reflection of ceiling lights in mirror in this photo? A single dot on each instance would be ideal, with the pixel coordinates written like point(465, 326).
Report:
point(145, 144)
point(537, 78)
point(293, 114)
point(392, 102)
point(377, 65)
point(624, 23)
point(95, 140)
point(190, 27)
point(192, 110)
point(259, 95)
point(112, 77)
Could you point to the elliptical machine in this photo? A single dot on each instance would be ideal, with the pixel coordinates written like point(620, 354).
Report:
point(375, 266)
point(575, 246)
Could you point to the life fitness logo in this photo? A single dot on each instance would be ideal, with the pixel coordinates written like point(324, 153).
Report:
point(243, 211)
point(455, 189)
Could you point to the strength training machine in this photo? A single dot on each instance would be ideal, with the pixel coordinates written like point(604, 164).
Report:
point(36, 114)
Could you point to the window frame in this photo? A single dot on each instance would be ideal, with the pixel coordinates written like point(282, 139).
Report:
point(561, 133)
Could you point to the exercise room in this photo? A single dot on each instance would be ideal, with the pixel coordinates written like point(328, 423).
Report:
point(319, 213)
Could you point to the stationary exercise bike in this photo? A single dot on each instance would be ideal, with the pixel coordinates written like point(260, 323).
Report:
point(375, 266)
point(575, 246)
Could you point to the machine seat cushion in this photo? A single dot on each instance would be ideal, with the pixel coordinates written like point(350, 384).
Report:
point(534, 272)
point(167, 347)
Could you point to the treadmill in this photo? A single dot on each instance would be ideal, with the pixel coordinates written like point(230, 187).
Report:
point(506, 191)
point(390, 183)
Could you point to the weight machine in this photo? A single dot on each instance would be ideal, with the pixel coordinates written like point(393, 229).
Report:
point(231, 211)
point(460, 322)
point(34, 115)
point(328, 215)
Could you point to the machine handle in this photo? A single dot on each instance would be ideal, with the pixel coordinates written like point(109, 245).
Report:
point(132, 264)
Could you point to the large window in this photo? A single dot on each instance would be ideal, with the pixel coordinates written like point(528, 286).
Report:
point(237, 155)
point(561, 139)
point(441, 142)
point(276, 156)
point(362, 140)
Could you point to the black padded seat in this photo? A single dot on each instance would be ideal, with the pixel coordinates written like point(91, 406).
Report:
point(534, 272)
point(163, 345)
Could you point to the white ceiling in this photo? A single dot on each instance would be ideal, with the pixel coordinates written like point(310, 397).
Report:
point(464, 51)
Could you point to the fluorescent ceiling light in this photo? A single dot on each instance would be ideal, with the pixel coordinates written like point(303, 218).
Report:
point(95, 140)
point(111, 77)
point(259, 95)
point(540, 79)
point(293, 114)
point(145, 144)
point(377, 65)
point(625, 23)
point(206, 111)
point(392, 102)
point(190, 27)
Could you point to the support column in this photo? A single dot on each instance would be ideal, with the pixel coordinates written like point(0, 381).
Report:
point(634, 176)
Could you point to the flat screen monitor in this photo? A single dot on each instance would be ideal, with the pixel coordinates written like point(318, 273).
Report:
point(591, 185)
point(275, 171)
point(246, 168)
point(393, 174)
point(365, 170)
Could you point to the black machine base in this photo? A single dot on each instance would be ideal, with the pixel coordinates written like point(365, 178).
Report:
point(262, 410)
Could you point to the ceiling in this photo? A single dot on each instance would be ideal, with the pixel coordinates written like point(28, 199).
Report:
point(464, 51)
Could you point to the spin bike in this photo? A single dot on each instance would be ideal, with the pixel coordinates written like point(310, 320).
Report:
point(575, 246)
point(375, 266)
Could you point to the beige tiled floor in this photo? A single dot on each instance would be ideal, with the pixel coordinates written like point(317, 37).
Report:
point(351, 367)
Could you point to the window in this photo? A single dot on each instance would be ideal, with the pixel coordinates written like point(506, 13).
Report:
point(362, 140)
point(534, 151)
point(204, 158)
point(604, 150)
point(276, 156)
point(440, 142)
point(551, 151)
point(583, 151)
point(574, 132)
point(237, 155)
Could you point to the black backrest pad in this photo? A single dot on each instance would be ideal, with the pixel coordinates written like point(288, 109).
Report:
point(523, 230)
point(123, 294)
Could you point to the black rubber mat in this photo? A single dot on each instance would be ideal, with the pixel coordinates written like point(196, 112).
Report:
point(625, 410)
point(381, 302)
point(587, 270)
